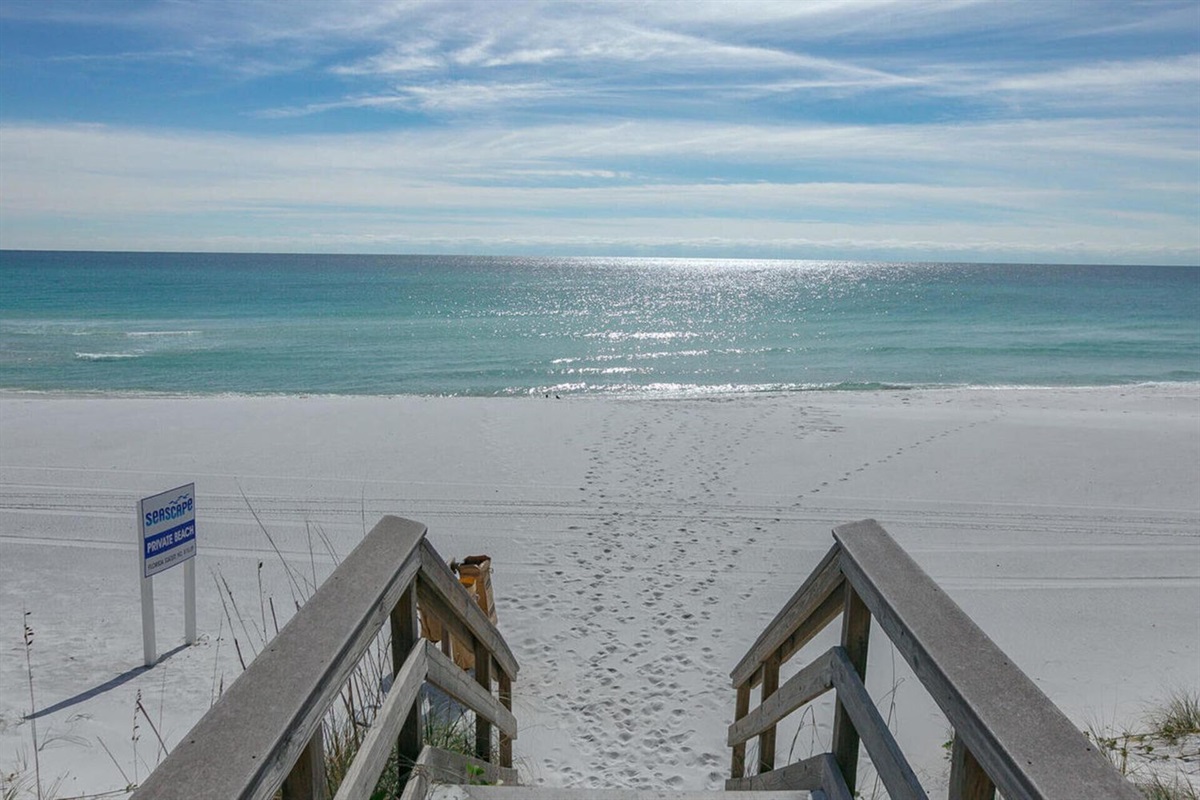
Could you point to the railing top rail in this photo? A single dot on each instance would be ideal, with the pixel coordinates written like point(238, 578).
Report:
point(451, 594)
point(454, 681)
point(1025, 744)
point(807, 606)
point(246, 743)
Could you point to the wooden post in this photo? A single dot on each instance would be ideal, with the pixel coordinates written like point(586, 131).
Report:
point(406, 634)
point(766, 739)
point(968, 781)
point(483, 676)
point(306, 781)
point(505, 689)
point(738, 768)
point(856, 629)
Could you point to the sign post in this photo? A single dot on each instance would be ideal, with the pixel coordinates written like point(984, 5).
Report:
point(167, 538)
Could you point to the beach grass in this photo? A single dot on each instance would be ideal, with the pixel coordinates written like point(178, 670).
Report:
point(1175, 788)
point(1177, 716)
point(346, 723)
point(1157, 756)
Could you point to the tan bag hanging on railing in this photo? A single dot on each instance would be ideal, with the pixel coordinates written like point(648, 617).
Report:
point(475, 575)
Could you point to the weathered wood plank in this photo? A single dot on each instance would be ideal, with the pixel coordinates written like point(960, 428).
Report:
point(968, 781)
point(806, 685)
point(856, 632)
point(438, 578)
point(269, 714)
point(810, 627)
point(832, 783)
point(483, 678)
point(737, 767)
point(417, 787)
point(1021, 740)
point(766, 739)
point(406, 636)
point(806, 774)
point(442, 766)
point(545, 793)
point(823, 582)
point(377, 745)
point(447, 676)
point(893, 769)
point(306, 781)
point(504, 692)
point(432, 604)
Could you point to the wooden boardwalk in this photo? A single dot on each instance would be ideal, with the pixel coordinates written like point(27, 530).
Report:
point(264, 736)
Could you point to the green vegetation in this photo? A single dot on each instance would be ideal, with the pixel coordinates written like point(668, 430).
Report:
point(448, 726)
point(1152, 756)
point(1158, 788)
point(353, 713)
point(1178, 716)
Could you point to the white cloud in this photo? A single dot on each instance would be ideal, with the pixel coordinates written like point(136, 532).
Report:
point(724, 51)
point(601, 43)
point(418, 57)
point(685, 111)
point(452, 96)
point(553, 184)
point(1025, 154)
point(1107, 76)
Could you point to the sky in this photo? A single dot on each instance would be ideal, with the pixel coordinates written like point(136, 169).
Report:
point(907, 130)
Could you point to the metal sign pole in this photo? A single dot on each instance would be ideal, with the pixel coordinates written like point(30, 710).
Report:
point(189, 601)
point(148, 621)
point(148, 644)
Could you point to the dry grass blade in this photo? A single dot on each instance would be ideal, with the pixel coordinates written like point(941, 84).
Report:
point(1159, 788)
point(1177, 716)
point(27, 636)
point(297, 592)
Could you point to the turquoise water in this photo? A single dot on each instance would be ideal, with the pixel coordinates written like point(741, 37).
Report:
point(440, 325)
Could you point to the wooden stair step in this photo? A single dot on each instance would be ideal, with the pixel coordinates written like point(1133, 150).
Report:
point(460, 792)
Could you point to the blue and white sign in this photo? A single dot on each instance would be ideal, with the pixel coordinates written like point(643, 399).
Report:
point(168, 523)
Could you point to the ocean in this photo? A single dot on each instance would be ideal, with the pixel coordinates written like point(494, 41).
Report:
point(190, 323)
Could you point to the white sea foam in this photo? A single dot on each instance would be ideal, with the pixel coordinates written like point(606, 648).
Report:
point(135, 334)
point(604, 371)
point(623, 336)
point(656, 354)
point(606, 357)
point(107, 356)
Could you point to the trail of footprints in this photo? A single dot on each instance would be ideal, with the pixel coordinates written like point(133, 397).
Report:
point(628, 709)
point(928, 440)
point(631, 711)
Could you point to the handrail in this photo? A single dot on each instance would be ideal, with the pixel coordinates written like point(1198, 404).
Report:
point(264, 733)
point(1008, 735)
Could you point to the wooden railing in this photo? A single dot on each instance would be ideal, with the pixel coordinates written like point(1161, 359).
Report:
point(264, 734)
point(1008, 736)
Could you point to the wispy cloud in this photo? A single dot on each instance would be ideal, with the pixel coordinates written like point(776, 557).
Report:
point(498, 184)
point(454, 96)
point(712, 124)
point(1109, 76)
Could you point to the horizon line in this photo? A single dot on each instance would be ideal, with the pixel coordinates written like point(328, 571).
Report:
point(593, 257)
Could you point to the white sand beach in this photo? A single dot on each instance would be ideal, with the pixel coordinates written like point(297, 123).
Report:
point(639, 548)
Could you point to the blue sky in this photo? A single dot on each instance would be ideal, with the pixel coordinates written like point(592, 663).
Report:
point(959, 130)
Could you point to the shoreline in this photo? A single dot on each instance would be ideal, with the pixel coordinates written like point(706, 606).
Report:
point(639, 547)
point(702, 393)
